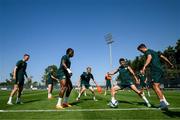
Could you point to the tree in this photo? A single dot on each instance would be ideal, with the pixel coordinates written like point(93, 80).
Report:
point(28, 83)
point(177, 52)
point(170, 54)
point(35, 84)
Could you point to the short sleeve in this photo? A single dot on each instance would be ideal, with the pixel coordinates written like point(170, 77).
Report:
point(147, 53)
point(18, 63)
point(92, 77)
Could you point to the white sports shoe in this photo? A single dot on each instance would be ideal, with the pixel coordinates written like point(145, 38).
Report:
point(95, 99)
point(167, 103)
point(77, 99)
point(148, 105)
point(9, 103)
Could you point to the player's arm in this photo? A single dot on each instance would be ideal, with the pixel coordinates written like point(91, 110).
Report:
point(105, 80)
point(148, 60)
point(54, 78)
point(94, 81)
point(64, 64)
point(132, 72)
point(92, 77)
point(165, 59)
point(14, 72)
point(25, 74)
point(65, 67)
point(113, 72)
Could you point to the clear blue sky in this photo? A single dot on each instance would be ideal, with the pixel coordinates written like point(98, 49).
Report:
point(46, 28)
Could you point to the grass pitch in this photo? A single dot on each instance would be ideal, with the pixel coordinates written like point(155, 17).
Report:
point(37, 106)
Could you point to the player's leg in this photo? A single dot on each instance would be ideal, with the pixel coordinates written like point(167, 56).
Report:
point(85, 93)
point(148, 91)
point(18, 100)
point(142, 90)
point(159, 93)
point(113, 92)
point(92, 90)
point(63, 89)
point(105, 90)
point(50, 88)
point(13, 92)
point(81, 92)
point(140, 93)
point(68, 92)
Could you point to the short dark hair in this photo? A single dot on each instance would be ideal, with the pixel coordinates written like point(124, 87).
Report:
point(141, 46)
point(121, 59)
point(68, 50)
point(26, 55)
point(88, 68)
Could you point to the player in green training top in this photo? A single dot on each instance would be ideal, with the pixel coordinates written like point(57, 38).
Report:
point(64, 74)
point(126, 80)
point(18, 76)
point(84, 80)
point(153, 61)
point(50, 82)
point(143, 82)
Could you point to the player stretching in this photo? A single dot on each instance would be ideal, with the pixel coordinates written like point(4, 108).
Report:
point(18, 75)
point(125, 72)
point(108, 79)
point(153, 61)
point(84, 80)
point(64, 74)
point(143, 82)
point(50, 81)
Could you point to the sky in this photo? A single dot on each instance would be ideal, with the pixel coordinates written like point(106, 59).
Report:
point(46, 28)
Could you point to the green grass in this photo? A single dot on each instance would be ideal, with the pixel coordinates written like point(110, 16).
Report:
point(37, 100)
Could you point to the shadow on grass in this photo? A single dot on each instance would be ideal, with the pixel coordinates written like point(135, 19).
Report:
point(172, 114)
point(30, 101)
point(74, 103)
point(121, 101)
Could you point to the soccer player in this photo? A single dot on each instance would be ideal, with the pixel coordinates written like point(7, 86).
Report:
point(108, 79)
point(126, 80)
point(143, 82)
point(18, 76)
point(85, 79)
point(153, 61)
point(64, 74)
point(50, 81)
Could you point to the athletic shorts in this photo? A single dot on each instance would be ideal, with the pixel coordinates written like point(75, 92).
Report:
point(127, 85)
point(49, 81)
point(143, 84)
point(63, 75)
point(156, 76)
point(87, 86)
point(19, 81)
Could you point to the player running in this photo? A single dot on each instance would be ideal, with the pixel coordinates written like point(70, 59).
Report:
point(153, 61)
point(143, 82)
point(126, 80)
point(50, 82)
point(64, 74)
point(85, 79)
point(108, 79)
point(18, 76)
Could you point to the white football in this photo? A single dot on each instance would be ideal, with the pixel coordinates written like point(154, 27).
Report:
point(114, 103)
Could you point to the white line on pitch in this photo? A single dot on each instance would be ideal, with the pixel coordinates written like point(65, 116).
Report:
point(86, 110)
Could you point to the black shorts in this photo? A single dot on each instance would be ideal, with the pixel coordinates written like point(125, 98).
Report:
point(19, 82)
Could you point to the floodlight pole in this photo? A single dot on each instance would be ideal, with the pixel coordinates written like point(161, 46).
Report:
point(109, 41)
